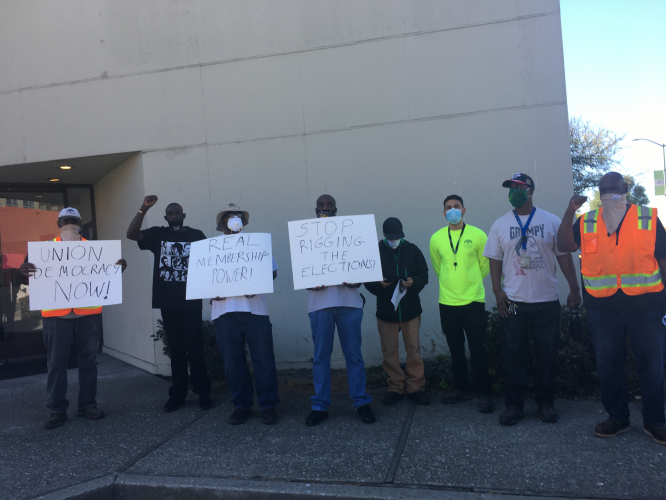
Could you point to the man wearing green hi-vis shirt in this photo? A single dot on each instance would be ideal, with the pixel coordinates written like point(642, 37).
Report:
point(456, 252)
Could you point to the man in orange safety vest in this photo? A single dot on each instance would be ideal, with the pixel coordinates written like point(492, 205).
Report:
point(623, 256)
point(62, 327)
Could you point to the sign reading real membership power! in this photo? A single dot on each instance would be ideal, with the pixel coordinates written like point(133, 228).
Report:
point(333, 250)
point(75, 274)
point(229, 266)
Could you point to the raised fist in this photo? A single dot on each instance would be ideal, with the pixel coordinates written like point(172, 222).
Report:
point(149, 201)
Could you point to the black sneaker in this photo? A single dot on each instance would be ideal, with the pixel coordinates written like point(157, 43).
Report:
point(55, 420)
point(205, 403)
point(611, 428)
point(92, 413)
point(486, 404)
point(239, 416)
point(656, 432)
point(420, 398)
point(511, 415)
point(547, 413)
point(456, 397)
point(269, 416)
point(315, 417)
point(392, 398)
point(173, 405)
point(367, 417)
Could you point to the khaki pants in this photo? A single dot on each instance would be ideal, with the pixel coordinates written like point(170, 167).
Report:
point(388, 335)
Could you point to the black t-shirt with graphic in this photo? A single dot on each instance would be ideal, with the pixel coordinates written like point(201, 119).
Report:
point(171, 250)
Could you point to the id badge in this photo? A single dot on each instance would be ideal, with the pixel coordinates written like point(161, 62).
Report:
point(524, 261)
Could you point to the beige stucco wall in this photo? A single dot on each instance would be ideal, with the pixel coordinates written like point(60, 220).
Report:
point(387, 105)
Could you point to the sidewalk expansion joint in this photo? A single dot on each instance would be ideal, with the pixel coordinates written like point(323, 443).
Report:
point(395, 461)
point(171, 435)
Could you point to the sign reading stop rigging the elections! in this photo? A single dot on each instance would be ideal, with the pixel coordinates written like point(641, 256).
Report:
point(230, 266)
point(333, 250)
point(75, 274)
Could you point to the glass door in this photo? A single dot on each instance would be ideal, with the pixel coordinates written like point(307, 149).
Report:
point(30, 213)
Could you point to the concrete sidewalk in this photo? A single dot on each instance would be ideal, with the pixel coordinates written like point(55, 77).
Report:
point(437, 451)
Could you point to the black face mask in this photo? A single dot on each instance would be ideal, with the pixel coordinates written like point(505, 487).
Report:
point(175, 224)
point(325, 213)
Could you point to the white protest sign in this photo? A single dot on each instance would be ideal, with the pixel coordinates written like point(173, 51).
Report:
point(230, 266)
point(75, 274)
point(333, 250)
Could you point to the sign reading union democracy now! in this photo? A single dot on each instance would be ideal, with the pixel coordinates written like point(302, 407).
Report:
point(75, 274)
point(333, 250)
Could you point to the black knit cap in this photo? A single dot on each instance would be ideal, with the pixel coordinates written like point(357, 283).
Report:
point(393, 229)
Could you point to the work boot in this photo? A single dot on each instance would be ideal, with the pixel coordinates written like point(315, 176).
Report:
point(456, 397)
point(611, 428)
point(269, 416)
point(511, 415)
point(656, 432)
point(315, 417)
point(392, 398)
point(366, 414)
point(239, 416)
point(93, 413)
point(55, 420)
point(205, 403)
point(420, 398)
point(486, 404)
point(173, 405)
point(547, 413)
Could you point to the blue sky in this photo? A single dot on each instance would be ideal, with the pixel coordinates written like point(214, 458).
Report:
point(615, 66)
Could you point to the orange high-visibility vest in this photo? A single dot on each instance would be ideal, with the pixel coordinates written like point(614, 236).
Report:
point(629, 264)
point(80, 311)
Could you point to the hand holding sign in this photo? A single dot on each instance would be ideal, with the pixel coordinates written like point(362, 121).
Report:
point(334, 251)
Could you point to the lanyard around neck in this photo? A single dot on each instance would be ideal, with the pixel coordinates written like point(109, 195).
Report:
point(523, 230)
point(455, 250)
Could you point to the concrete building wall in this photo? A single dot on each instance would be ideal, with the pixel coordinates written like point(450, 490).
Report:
point(387, 105)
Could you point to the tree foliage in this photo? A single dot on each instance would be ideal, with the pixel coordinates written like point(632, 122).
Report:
point(594, 152)
point(636, 194)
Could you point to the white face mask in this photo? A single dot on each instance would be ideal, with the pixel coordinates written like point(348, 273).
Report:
point(235, 224)
point(70, 232)
point(615, 206)
point(393, 243)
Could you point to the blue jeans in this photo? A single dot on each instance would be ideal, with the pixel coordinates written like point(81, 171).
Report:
point(58, 337)
point(323, 322)
point(646, 334)
point(232, 330)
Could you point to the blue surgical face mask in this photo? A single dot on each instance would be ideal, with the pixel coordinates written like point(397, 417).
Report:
point(394, 243)
point(454, 216)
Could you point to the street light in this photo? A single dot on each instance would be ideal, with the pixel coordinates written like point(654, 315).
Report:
point(663, 150)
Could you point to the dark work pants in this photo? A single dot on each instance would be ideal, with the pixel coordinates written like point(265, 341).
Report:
point(543, 320)
point(184, 333)
point(258, 332)
point(457, 321)
point(58, 336)
point(646, 334)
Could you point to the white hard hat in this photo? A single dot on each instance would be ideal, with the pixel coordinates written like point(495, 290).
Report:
point(69, 212)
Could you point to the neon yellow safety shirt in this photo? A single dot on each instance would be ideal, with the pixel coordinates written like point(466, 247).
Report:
point(462, 284)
